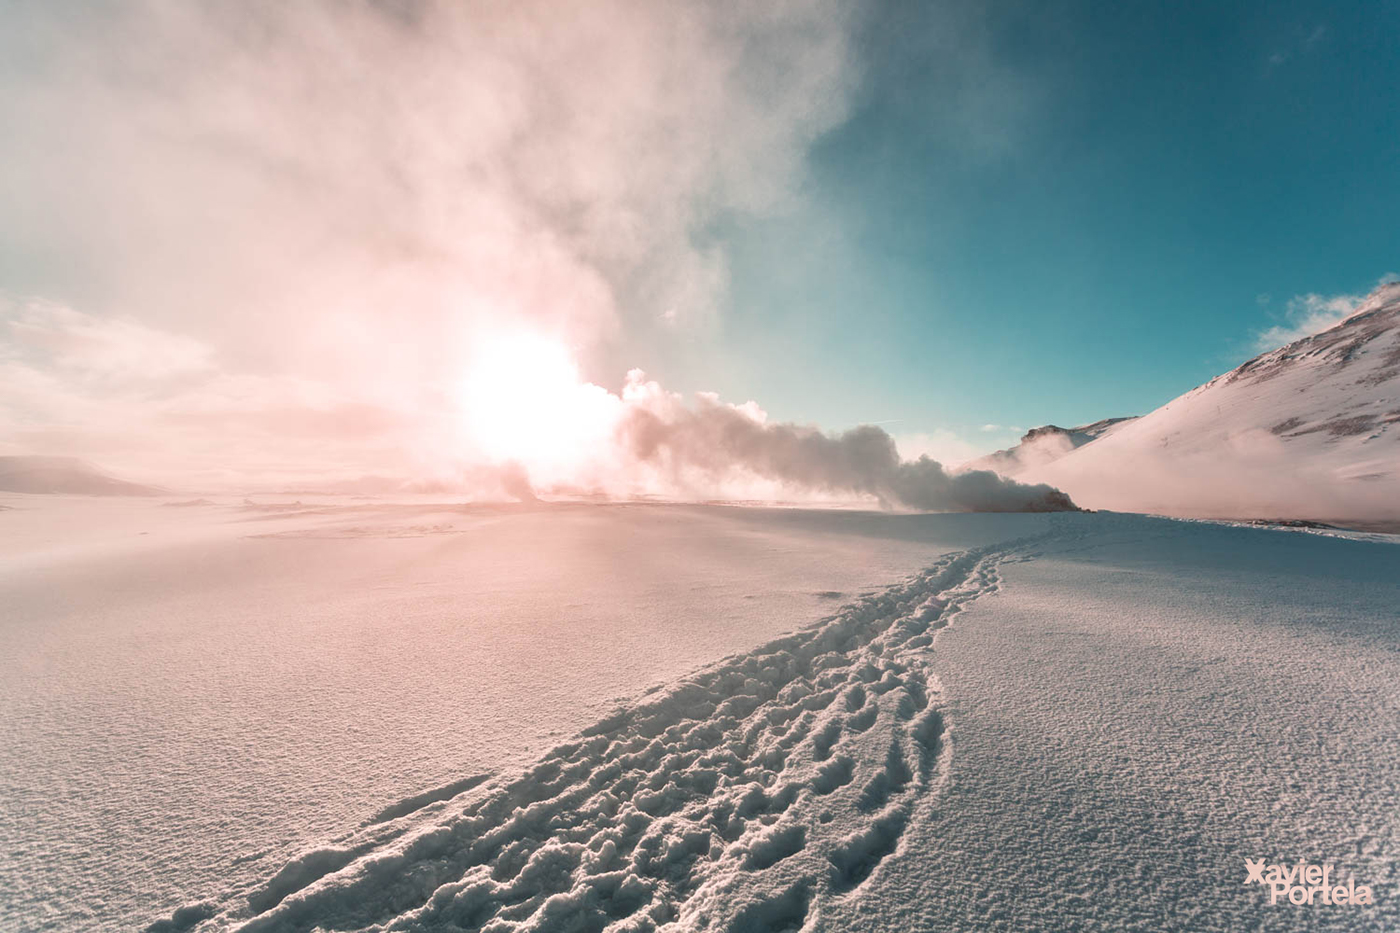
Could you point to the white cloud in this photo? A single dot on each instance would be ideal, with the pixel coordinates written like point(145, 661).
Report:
point(294, 226)
point(93, 347)
point(340, 200)
point(1307, 315)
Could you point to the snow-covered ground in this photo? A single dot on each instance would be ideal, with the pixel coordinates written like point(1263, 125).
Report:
point(1143, 705)
point(192, 693)
point(237, 720)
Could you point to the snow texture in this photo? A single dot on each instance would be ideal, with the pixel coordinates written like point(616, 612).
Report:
point(742, 798)
point(1072, 721)
point(1144, 705)
point(1117, 745)
point(190, 697)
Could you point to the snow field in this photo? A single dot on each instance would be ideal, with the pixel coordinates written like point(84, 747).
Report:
point(742, 798)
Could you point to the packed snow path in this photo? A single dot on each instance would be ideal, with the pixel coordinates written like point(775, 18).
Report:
point(742, 798)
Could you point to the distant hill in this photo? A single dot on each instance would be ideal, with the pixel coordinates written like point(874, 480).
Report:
point(1039, 446)
point(66, 476)
point(1310, 430)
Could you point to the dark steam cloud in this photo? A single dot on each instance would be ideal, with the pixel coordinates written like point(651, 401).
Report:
point(720, 440)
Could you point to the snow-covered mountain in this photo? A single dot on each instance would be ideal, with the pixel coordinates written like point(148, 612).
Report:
point(1039, 446)
point(67, 475)
point(1310, 430)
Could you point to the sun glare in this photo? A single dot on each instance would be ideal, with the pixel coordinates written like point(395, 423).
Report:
point(524, 401)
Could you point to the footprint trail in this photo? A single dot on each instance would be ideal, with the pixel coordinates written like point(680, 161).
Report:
point(739, 799)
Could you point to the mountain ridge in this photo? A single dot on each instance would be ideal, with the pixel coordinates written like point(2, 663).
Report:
point(1309, 430)
point(64, 476)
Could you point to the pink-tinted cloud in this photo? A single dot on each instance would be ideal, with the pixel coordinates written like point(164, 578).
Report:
point(279, 221)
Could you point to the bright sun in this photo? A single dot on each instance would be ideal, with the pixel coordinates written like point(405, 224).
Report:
point(524, 401)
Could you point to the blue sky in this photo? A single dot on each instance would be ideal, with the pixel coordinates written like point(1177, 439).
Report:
point(1089, 212)
point(242, 237)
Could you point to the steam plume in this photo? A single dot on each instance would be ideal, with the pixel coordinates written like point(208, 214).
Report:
point(270, 240)
point(720, 440)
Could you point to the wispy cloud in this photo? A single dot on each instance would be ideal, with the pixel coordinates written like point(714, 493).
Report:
point(1311, 314)
point(339, 201)
point(318, 162)
point(1306, 315)
point(1303, 42)
point(160, 405)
